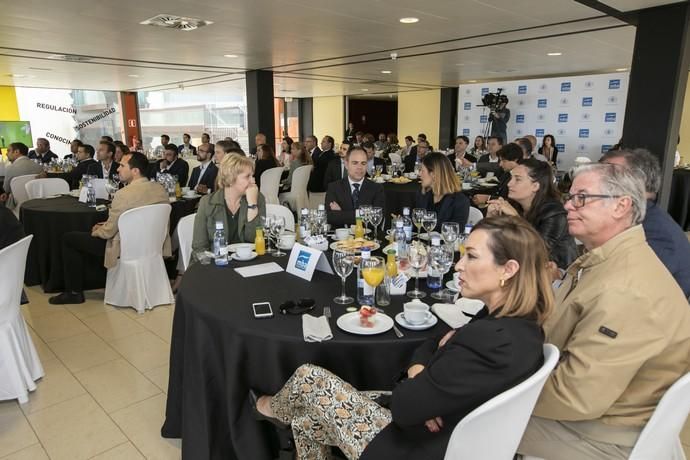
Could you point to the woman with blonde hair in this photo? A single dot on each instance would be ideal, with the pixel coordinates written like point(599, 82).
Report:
point(236, 203)
point(441, 191)
point(504, 266)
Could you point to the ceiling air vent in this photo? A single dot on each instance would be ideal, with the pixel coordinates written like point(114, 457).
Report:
point(70, 57)
point(170, 21)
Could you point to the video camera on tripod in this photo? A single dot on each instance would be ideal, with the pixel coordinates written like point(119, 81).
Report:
point(494, 100)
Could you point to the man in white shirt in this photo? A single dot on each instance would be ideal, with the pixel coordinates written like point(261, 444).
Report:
point(203, 177)
point(106, 168)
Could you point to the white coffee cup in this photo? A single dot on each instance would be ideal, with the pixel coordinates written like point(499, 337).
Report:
point(416, 312)
point(244, 251)
point(185, 190)
point(287, 240)
point(342, 233)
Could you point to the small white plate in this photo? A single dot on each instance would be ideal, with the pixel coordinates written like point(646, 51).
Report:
point(191, 196)
point(400, 319)
point(349, 322)
point(233, 247)
point(234, 256)
point(451, 285)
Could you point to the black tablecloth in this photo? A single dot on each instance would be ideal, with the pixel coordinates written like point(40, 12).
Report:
point(48, 219)
point(399, 196)
point(679, 201)
point(61, 175)
point(219, 351)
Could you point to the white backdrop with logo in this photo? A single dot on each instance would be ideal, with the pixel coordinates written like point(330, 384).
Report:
point(584, 113)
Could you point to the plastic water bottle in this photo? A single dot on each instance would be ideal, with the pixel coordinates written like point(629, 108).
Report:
point(400, 240)
point(304, 227)
point(220, 251)
point(365, 293)
point(90, 194)
point(407, 224)
point(433, 278)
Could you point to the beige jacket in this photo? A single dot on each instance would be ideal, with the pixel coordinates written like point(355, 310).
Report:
point(623, 327)
point(139, 193)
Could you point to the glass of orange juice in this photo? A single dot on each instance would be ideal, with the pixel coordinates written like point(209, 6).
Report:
point(373, 271)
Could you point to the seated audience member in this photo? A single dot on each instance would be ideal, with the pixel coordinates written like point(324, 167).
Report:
point(285, 150)
point(448, 377)
point(159, 151)
point(531, 186)
point(186, 146)
point(409, 143)
point(489, 162)
point(320, 159)
point(359, 139)
point(347, 194)
point(372, 160)
point(421, 137)
point(105, 167)
point(84, 162)
point(236, 203)
point(222, 148)
point(103, 242)
point(382, 143)
point(42, 151)
point(393, 144)
point(460, 158)
point(121, 150)
point(508, 157)
point(298, 157)
point(664, 235)
point(174, 165)
point(549, 150)
point(337, 168)
point(534, 151)
point(137, 147)
point(106, 139)
point(528, 148)
point(73, 148)
point(265, 160)
point(441, 191)
point(350, 132)
point(621, 322)
point(417, 154)
point(479, 146)
point(20, 165)
point(203, 178)
point(259, 139)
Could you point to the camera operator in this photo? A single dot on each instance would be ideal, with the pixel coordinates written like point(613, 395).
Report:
point(499, 117)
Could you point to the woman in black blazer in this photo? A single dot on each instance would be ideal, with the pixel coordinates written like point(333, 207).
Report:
point(441, 191)
point(265, 159)
point(448, 377)
point(549, 150)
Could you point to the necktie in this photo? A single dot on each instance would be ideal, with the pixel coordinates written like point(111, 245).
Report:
point(355, 195)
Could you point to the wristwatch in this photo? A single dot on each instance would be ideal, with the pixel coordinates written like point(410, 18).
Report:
point(252, 206)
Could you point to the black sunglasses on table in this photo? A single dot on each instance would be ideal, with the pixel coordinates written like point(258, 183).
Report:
point(290, 307)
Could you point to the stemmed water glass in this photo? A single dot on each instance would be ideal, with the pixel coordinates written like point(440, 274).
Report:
point(417, 219)
point(277, 227)
point(450, 232)
point(111, 187)
point(441, 259)
point(375, 217)
point(429, 222)
point(343, 262)
point(365, 214)
point(417, 257)
point(266, 222)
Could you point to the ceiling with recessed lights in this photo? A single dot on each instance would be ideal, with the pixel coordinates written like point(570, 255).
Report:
point(314, 47)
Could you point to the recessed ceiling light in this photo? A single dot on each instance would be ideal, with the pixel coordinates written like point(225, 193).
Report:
point(471, 81)
point(460, 63)
point(133, 75)
point(554, 54)
point(230, 55)
point(18, 75)
point(409, 20)
point(386, 71)
point(365, 89)
point(622, 69)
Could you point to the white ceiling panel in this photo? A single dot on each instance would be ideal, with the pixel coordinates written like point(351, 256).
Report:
point(633, 5)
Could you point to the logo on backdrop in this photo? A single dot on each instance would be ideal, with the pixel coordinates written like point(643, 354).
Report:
point(589, 84)
point(583, 133)
point(615, 84)
point(521, 102)
point(483, 119)
point(467, 118)
point(563, 118)
point(543, 88)
point(610, 117)
point(586, 116)
point(605, 148)
point(541, 103)
point(539, 132)
point(541, 117)
point(465, 132)
point(565, 87)
point(302, 260)
point(587, 101)
point(467, 106)
point(485, 91)
point(468, 91)
point(561, 132)
point(522, 89)
point(564, 101)
point(561, 148)
point(612, 100)
point(609, 132)
point(518, 132)
point(582, 148)
point(520, 118)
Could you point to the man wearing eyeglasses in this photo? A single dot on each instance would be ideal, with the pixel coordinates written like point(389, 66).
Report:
point(621, 322)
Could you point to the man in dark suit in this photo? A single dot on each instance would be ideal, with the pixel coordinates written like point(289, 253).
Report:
point(346, 195)
point(311, 144)
point(74, 148)
point(337, 168)
point(85, 158)
point(206, 139)
point(42, 151)
point(203, 178)
point(350, 132)
point(416, 155)
point(105, 167)
point(420, 137)
point(322, 158)
point(372, 160)
point(186, 145)
point(174, 166)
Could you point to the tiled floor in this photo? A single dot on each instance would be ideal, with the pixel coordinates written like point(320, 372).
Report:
point(103, 395)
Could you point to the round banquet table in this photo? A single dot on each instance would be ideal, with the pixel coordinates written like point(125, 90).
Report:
point(679, 201)
point(60, 175)
point(219, 351)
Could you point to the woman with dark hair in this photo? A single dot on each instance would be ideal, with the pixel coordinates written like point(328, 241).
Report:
point(298, 157)
point(479, 146)
point(393, 144)
point(548, 149)
point(121, 150)
point(505, 266)
point(409, 143)
point(441, 191)
point(265, 159)
point(531, 187)
point(285, 150)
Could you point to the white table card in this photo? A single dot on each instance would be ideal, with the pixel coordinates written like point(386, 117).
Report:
point(259, 269)
point(304, 260)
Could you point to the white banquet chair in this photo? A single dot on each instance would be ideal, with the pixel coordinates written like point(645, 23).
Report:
point(475, 216)
point(282, 211)
point(20, 366)
point(474, 437)
point(395, 157)
point(139, 279)
point(185, 233)
point(270, 184)
point(41, 188)
point(297, 197)
point(18, 189)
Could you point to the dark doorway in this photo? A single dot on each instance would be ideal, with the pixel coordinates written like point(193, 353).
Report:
point(374, 116)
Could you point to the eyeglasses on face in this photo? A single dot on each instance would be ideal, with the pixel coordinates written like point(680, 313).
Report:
point(580, 199)
point(291, 307)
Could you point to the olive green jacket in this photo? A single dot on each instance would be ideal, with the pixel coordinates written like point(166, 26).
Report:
point(212, 208)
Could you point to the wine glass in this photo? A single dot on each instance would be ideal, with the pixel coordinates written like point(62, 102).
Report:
point(266, 222)
point(441, 259)
point(111, 187)
point(379, 170)
point(417, 257)
point(373, 272)
point(277, 227)
point(365, 214)
point(401, 168)
point(450, 232)
point(429, 222)
point(343, 262)
point(376, 216)
point(418, 218)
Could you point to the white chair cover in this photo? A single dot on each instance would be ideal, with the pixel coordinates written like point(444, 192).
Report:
point(316, 198)
point(185, 232)
point(99, 186)
point(18, 189)
point(659, 438)
point(19, 363)
point(193, 163)
point(282, 211)
point(474, 216)
point(270, 184)
point(139, 279)
point(395, 157)
point(41, 188)
point(507, 413)
point(297, 197)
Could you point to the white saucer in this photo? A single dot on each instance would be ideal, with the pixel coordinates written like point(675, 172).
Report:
point(191, 196)
point(400, 319)
point(233, 247)
point(451, 285)
point(234, 256)
point(284, 247)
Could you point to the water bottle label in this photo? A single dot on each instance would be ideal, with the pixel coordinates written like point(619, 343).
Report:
point(408, 233)
point(368, 290)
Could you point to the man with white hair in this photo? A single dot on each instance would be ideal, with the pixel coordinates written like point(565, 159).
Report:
point(621, 322)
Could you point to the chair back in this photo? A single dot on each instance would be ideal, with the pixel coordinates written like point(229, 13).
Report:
point(270, 184)
point(659, 438)
point(12, 265)
point(475, 216)
point(298, 190)
point(18, 188)
point(395, 157)
point(143, 231)
point(185, 233)
point(474, 437)
point(282, 211)
point(41, 188)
